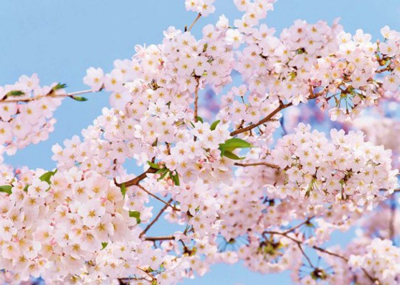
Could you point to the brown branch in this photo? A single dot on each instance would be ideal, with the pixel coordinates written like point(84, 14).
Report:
point(160, 238)
point(148, 274)
point(298, 226)
point(158, 198)
point(394, 191)
point(194, 22)
point(305, 255)
point(274, 112)
point(155, 219)
point(136, 180)
point(257, 164)
point(196, 101)
point(393, 210)
point(127, 280)
point(330, 252)
point(263, 121)
point(371, 278)
point(49, 95)
point(383, 70)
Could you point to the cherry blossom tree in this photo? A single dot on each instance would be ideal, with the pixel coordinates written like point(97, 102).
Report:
point(235, 189)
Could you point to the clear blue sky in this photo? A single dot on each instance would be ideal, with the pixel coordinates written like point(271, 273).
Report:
point(59, 40)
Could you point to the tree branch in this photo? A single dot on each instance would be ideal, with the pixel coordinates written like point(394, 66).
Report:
point(158, 198)
point(274, 112)
point(194, 22)
point(196, 101)
point(257, 164)
point(263, 121)
point(137, 179)
point(298, 226)
point(155, 219)
point(371, 278)
point(49, 95)
point(160, 238)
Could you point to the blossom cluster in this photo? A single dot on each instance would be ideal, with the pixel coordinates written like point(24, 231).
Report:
point(26, 112)
point(232, 191)
point(381, 259)
point(347, 168)
point(204, 7)
point(52, 224)
point(270, 255)
point(381, 131)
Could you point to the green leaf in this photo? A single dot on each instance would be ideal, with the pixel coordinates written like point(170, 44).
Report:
point(136, 215)
point(6, 189)
point(230, 145)
point(199, 119)
point(214, 125)
point(153, 165)
point(162, 170)
point(175, 178)
point(59, 86)
point(123, 189)
point(15, 93)
point(46, 177)
point(163, 175)
point(104, 245)
point(235, 143)
point(79, 98)
point(205, 47)
point(231, 155)
point(26, 187)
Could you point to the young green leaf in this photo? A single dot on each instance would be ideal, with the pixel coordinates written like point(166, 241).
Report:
point(123, 189)
point(214, 125)
point(231, 155)
point(6, 189)
point(163, 174)
point(175, 178)
point(136, 215)
point(59, 86)
point(79, 98)
point(15, 93)
point(104, 245)
point(162, 170)
point(153, 165)
point(46, 176)
point(235, 143)
point(199, 119)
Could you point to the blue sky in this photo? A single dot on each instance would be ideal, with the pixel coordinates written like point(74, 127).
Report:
point(59, 40)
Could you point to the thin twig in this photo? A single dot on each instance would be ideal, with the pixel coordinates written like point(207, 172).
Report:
point(159, 238)
point(257, 164)
point(136, 180)
point(298, 226)
point(148, 274)
point(155, 219)
point(394, 191)
point(49, 95)
point(263, 121)
point(393, 210)
point(373, 279)
point(158, 198)
point(196, 101)
point(274, 112)
point(305, 255)
point(194, 22)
